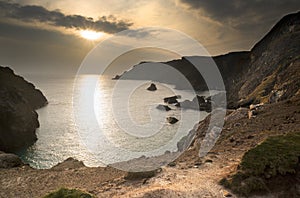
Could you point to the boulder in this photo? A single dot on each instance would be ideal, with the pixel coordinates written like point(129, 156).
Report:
point(172, 164)
point(9, 160)
point(172, 120)
point(163, 107)
point(254, 109)
point(172, 99)
point(152, 87)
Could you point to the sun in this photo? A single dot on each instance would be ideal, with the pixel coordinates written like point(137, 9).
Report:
point(90, 34)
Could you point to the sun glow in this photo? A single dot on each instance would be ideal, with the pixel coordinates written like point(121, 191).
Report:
point(90, 34)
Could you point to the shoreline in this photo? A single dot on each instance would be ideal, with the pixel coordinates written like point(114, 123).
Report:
point(187, 176)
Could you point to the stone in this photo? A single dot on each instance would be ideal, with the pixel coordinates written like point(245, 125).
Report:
point(172, 120)
point(172, 99)
point(9, 160)
point(152, 87)
point(208, 161)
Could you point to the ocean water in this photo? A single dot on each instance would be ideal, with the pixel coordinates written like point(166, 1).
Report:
point(91, 120)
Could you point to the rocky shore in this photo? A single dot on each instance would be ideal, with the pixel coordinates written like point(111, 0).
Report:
point(268, 75)
point(187, 176)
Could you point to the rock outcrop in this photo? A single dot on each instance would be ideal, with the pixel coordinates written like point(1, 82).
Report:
point(9, 160)
point(18, 101)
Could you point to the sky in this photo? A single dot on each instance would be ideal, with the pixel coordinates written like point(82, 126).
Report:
point(47, 36)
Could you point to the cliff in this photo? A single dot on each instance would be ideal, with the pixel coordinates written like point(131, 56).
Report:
point(18, 120)
point(269, 72)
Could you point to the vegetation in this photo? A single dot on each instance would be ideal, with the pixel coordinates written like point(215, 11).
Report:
point(140, 175)
point(68, 193)
point(278, 155)
point(260, 94)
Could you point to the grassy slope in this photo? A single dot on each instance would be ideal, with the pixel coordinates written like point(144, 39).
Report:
point(277, 156)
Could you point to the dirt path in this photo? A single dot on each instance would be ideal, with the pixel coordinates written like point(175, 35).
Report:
point(173, 182)
point(178, 181)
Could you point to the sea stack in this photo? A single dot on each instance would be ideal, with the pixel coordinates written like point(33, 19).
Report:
point(152, 87)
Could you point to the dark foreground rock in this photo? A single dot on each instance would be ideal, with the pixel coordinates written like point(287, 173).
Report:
point(9, 160)
point(18, 120)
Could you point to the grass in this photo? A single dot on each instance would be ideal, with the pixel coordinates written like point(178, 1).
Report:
point(278, 155)
point(68, 193)
point(260, 94)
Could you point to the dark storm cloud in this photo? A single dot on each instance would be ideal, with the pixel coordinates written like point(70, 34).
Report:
point(241, 13)
point(31, 13)
point(222, 10)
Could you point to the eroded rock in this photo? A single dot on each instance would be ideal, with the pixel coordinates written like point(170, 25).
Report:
point(152, 87)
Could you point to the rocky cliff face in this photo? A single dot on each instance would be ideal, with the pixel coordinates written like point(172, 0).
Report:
point(18, 119)
point(273, 71)
point(267, 73)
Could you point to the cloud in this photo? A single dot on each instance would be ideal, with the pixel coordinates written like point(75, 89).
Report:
point(240, 13)
point(40, 50)
point(32, 13)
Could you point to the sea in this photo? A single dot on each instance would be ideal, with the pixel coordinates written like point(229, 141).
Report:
point(95, 120)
